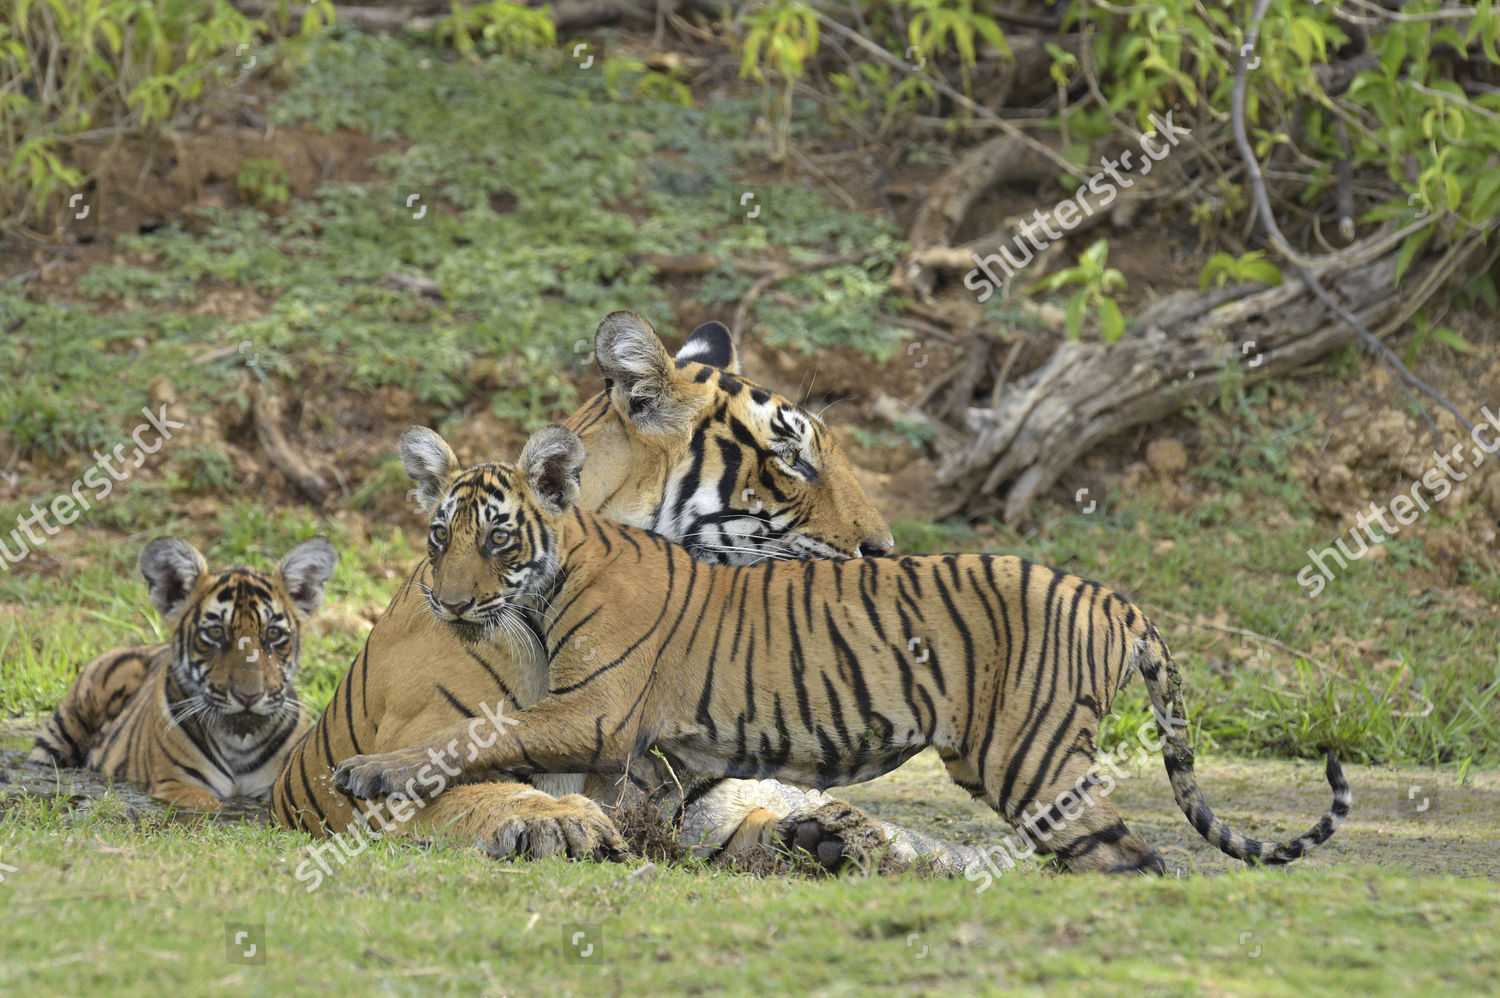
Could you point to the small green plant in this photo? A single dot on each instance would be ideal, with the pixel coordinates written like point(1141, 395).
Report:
point(781, 39)
point(901, 433)
point(263, 182)
point(503, 26)
point(1437, 334)
point(80, 69)
point(1095, 281)
point(1223, 268)
point(209, 469)
point(626, 78)
point(938, 24)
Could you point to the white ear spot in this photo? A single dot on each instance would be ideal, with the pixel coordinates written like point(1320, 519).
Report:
point(711, 344)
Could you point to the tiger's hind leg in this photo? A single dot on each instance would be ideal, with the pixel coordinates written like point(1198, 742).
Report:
point(750, 819)
point(97, 696)
point(1069, 817)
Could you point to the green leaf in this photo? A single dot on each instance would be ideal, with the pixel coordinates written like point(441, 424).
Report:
point(1218, 266)
point(1409, 249)
point(1451, 339)
point(1075, 312)
point(1263, 271)
point(1111, 322)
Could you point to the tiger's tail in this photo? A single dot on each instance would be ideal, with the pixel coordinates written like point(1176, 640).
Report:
point(1164, 684)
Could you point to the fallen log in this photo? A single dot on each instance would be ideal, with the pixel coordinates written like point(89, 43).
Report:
point(266, 416)
point(1003, 157)
point(1089, 390)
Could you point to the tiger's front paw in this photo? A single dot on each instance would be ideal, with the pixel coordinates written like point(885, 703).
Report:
point(540, 825)
point(370, 777)
point(188, 797)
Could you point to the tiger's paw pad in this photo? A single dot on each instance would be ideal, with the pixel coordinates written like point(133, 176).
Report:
point(371, 777)
point(546, 826)
point(836, 835)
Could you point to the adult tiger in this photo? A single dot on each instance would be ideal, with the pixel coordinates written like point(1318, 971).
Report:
point(823, 673)
point(211, 713)
point(692, 451)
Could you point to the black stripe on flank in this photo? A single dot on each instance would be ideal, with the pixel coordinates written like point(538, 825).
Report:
point(192, 771)
point(349, 706)
point(454, 701)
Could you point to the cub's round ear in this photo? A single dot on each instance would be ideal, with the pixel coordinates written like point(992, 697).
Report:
point(551, 462)
point(430, 464)
point(711, 344)
point(305, 569)
point(171, 567)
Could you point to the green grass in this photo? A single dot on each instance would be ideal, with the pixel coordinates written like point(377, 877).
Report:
point(536, 187)
point(101, 602)
point(99, 906)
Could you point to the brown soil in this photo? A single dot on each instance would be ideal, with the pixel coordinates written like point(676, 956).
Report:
point(143, 183)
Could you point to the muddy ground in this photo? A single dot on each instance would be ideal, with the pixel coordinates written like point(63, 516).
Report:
point(1415, 819)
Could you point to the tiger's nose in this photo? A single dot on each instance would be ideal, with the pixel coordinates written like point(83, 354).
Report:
point(248, 698)
point(457, 609)
point(876, 547)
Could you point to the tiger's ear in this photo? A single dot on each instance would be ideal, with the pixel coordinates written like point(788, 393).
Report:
point(171, 567)
point(551, 462)
point(304, 570)
point(711, 344)
point(430, 464)
point(638, 375)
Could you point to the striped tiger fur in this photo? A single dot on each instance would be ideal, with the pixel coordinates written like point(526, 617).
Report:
point(823, 673)
point(211, 713)
point(691, 450)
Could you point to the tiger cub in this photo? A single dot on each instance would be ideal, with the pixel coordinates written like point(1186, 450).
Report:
point(211, 713)
point(821, 673)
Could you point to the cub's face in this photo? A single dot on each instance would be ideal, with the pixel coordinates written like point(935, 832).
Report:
point(237, 633)
point(493, 537)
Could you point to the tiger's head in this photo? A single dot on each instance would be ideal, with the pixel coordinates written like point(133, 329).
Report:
point(237, 633)
point(728, 469)
point(495, 528)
